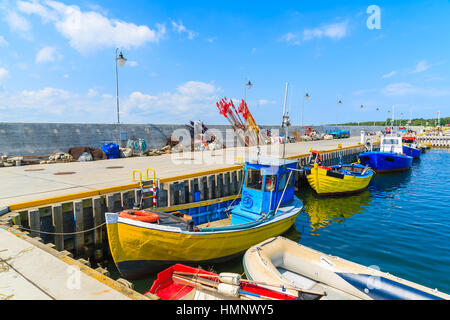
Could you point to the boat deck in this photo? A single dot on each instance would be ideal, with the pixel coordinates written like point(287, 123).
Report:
point(214, 224)
point(309, 284)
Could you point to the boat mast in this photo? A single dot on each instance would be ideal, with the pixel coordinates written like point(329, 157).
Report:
point(285, 122)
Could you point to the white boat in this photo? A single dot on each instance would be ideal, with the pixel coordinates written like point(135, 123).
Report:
point(280, 261)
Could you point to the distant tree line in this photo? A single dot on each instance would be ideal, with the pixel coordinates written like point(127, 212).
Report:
point(401, 122)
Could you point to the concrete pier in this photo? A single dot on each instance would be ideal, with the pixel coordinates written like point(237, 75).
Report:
point(436, 141)
point(31, 183)
point(30, 270)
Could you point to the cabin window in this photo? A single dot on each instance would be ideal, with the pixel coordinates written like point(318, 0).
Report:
point(283, 179)
point(271, 182)
point(254, 179)
point(390, 141)
point(291, 182)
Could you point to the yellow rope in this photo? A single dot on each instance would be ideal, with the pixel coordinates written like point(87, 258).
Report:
point(185, 285)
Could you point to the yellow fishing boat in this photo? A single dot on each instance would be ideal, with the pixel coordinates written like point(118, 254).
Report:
point(339, 179)
point(207, 231)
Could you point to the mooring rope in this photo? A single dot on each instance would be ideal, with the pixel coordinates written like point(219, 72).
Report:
point(60, 233)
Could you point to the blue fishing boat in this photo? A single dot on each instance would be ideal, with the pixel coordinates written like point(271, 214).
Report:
point(145, 241)
point(390, 158)
point(412, 151)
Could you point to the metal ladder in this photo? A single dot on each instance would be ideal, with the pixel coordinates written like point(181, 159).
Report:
point(148, 191)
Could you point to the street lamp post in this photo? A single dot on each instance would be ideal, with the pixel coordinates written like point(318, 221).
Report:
point(378, 109)
point(337, 109)
point(121, 61)
point(306, 96)
point(360, 109)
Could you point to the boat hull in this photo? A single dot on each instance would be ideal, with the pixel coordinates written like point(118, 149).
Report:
point(326, 183)
point(168, 288)
point(284, 262)
point(383, 162)
point(139, 249)
point(412, 152)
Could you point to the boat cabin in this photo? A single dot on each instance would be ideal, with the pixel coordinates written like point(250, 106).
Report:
point(392, 144)
point(266, 187)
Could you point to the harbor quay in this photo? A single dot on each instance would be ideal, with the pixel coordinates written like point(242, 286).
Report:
point(54, 214)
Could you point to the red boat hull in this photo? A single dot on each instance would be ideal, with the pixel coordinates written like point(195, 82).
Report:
point(166, 289)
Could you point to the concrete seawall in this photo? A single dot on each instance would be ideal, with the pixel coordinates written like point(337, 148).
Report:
point(48, 138)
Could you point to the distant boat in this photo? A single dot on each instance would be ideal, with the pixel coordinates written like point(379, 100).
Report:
point(411, 141)
point(390, 158)
point(412, 150)
point(208, 231)
point(339, 179)
point(280, 261)
point(181, 282)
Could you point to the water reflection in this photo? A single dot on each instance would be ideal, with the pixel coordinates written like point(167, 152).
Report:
point(383, 184)
point(323, 211)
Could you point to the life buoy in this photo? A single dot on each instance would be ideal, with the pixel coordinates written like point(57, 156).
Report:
point(140, 215)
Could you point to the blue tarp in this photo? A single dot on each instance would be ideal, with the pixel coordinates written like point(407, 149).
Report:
point(111, 150)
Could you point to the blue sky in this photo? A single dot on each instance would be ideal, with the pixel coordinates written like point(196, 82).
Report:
point(57, 62)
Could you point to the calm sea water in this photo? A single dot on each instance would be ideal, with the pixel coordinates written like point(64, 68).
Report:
point(401, 225)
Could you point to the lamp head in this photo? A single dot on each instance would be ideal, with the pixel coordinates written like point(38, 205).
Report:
point(121, 60)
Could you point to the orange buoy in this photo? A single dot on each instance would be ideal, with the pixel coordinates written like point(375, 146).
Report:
point(140, 215)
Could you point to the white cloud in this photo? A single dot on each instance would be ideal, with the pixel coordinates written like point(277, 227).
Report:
point(54, 105)
point(390, 74)
point(45, 13)
point(3, 42)
point(47, 54)
point(17, 23)
point(132, 63)
point(92, 93)
point(335, 31)
point(180, 28)
point(90, 31)
point(404, 88)
point(190, 100)
point(263, 102)
point(3, 74)
point(290, 38)
point(421, 67)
